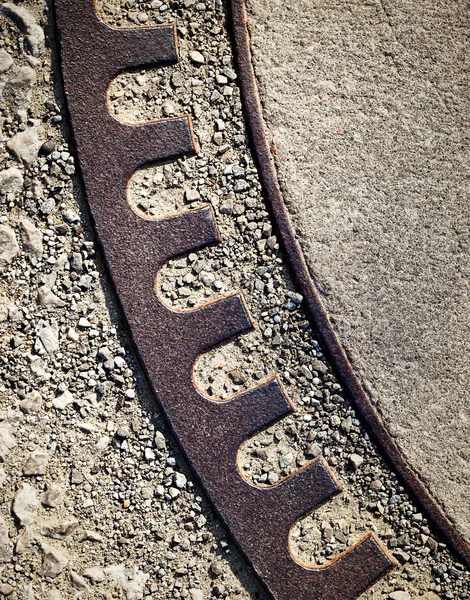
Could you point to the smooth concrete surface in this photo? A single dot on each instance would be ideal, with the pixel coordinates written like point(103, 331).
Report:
point(368, 106)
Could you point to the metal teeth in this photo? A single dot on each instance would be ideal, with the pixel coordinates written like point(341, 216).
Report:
point(168, 342)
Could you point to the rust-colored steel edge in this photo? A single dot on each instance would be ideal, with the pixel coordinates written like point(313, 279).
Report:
point(318, 316)
point(167, 341)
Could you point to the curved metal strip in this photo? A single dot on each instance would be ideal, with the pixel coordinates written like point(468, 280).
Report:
point(168, 341)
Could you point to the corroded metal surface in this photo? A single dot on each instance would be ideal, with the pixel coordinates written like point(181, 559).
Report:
point(168, 341)
point(317, 315)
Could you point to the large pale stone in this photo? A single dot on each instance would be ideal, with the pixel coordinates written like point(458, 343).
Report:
point(6, 545)
point(25, 504)
point(31, 237)
point(25, 145)
point(11, 180)
point(7, 441)
point(54, 561)
point(131, 580)
point(8, 245)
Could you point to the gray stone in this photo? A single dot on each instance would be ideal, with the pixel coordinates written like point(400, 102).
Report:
point(8, 246)
point(196, 57)
point(11, 180)
point(7, 442)
point(27, 23)
point(53, 562)
point(6, 545)
point(319, 366)
point(36, 463)
point(53, 496)
point(313, 450)
point(355, 461)
point(46, 297)
point(94, 574)
point(78, 582)
point(226, 206)
point(217, 567)
point(31, 238)
point(25, 145)
point(25, 504)
point(402, 556)
point(177, 79)
point(23, 541)
point(5, 60)
point(6, 589)
point(191, 195)
point(76, 477)
point(196, 594)
point(17, 90)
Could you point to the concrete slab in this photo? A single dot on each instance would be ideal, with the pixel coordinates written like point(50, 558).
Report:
point(367, 105)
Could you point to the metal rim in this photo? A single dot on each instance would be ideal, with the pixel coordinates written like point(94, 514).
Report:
point(314, 308)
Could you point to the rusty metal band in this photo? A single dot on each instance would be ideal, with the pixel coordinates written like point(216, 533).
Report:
point(167, 341)
point(317, 314)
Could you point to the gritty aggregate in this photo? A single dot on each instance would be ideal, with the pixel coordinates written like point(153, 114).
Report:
point(95, 498)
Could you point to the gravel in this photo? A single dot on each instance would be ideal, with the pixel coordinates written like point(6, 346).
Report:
point(113, 504)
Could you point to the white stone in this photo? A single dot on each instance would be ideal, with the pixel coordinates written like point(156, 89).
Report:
point(46, 297)
point(399, 596)
point(180, 480)
point(17, 90)
point(25, 504)
point(355, 461)
point(63, 400)
point(94, 574)
point(53, 495)
point(131, 580)
point(78, 582)
point(25, 145)
point(48, 335)
point(11, 180)
point(197, 57)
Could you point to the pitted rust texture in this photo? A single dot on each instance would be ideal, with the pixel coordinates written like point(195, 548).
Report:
point(168, 342)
